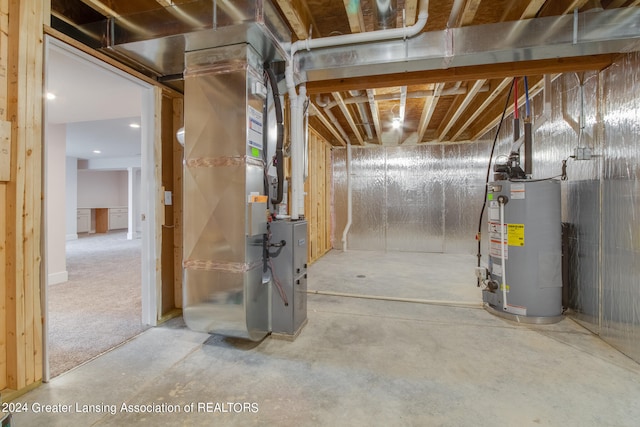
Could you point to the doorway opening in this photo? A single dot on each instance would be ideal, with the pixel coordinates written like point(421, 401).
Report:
point(98, 145)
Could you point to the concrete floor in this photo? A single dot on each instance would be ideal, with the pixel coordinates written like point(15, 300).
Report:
point(361, 362)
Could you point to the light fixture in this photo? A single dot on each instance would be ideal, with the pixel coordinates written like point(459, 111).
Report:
point(51, 96)
point(134, 125)
point(396, 118)
point(97, 151)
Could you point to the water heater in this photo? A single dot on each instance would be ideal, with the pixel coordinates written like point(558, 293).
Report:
point(524, 280)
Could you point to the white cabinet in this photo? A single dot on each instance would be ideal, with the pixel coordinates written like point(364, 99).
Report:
point(118, 218)
point(84, 220)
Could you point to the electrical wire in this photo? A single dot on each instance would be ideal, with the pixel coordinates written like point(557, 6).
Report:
point(526, 91)
point(278, 284)
point(515, 99)
point(486, 187)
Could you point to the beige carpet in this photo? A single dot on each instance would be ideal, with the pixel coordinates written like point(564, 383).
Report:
point(100, 306)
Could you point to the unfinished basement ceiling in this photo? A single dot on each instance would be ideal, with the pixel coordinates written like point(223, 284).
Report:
point(437, 109)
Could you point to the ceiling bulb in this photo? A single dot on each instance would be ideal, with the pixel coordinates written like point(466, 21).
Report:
point(97, 151)
point(396, 123)
point(134, 125)
point(51, 96)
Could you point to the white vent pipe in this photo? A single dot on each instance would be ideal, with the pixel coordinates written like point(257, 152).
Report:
point(297, 100)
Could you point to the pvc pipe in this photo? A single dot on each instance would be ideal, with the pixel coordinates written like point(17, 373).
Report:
point(336, 123)
point(349, 201)
point(297, 181)
point(301, 150)
point(372, 36)
point(503, 258)
point(463, 304)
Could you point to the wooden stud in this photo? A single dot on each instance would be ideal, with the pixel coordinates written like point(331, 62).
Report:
point(159, 195)
point(3, 294)
point(178, 155)
point(317, 199)
point(428, 109)
point(4, 42)
point(5, 151)
point(24, 193)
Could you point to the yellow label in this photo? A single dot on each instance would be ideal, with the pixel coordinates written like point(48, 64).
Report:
point(515, 234)
point(259, 199)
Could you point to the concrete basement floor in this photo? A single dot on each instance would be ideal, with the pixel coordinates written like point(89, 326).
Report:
point(361, 362)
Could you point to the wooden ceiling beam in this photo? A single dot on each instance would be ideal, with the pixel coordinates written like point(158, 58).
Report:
point(375, 113)
point(327, 124)
point(348, 116)
point(492, 115)
point(411, 12)
point(560, 7)
point(469, 12)
point(479, 105)
point(457, 108)
point(522, 9)
point(427, 111)
point(488, 71)
point(101, 8)
point(616, 3)
point(355, 16)
point(299, 18)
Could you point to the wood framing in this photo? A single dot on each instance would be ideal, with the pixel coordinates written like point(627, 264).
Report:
point(318, 197)
point(23, 194)
point(178, 155)
point(4, 42)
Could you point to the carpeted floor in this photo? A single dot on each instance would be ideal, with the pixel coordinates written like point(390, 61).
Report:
point(100, 306)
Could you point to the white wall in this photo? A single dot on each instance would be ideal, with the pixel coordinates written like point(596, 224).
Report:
point(102, 189)
point(72, 197)
point(55, 199)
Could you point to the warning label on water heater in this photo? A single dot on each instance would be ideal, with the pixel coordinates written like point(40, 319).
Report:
point(496, 242)
point(515, 233)
point(517, 191)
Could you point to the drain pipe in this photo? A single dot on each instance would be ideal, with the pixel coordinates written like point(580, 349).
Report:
point(349, 201)
point(296, 100)
point(502, 200)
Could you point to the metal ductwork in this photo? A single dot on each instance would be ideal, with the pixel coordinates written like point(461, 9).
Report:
point(589, 33)
point(222, 48)
point(158, 39)
point(385, 14)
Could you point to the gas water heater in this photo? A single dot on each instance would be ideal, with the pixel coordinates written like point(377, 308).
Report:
point(524, 281)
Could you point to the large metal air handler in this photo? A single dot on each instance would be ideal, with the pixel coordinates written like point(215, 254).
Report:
point(230, 156)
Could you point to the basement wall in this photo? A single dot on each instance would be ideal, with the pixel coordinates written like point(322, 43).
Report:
point(428, 198)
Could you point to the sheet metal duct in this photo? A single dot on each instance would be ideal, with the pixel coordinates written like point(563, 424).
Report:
point(224, 191)
point(223, 241)
point(385, 14)
point(158, 39)
point(591, 33)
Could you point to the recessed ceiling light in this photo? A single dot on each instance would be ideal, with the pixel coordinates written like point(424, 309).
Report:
point(134, 125)
point(51, 96)
point(97, 151)
point(396, 123)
